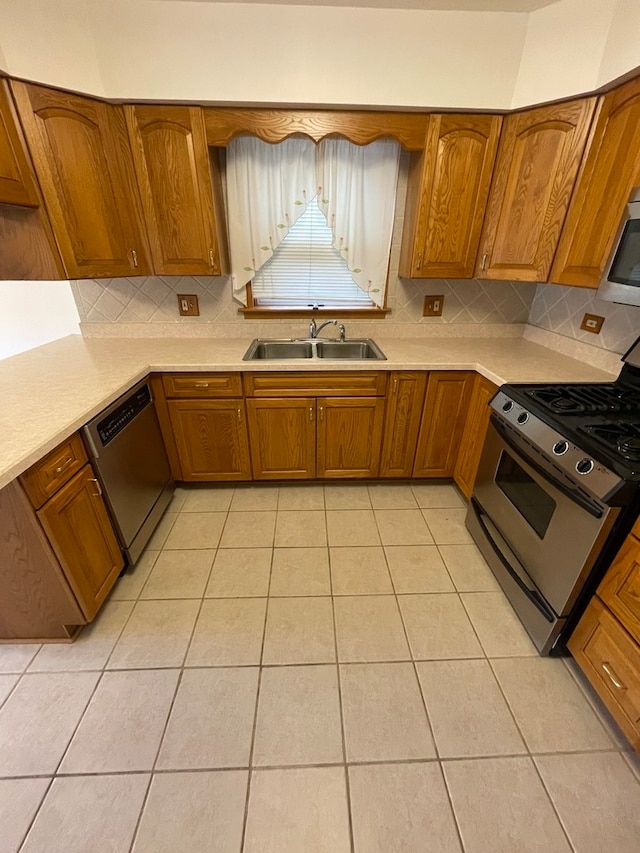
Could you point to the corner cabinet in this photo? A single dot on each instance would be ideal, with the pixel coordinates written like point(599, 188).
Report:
point(443, 419)
point(83, 163)
point(475, 430)
point(447, 192)
point(180, 190)
point(16, 181)
point(611, 169)
point(606, 643)
point(538, 161)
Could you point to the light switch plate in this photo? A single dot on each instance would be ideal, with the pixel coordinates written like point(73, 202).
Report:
point(433, 306)
point(592, 323)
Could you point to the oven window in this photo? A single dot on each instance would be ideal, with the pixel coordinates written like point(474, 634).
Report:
point(531, 501)
point(625, 268)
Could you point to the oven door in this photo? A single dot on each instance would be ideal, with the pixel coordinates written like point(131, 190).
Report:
point(546, 528)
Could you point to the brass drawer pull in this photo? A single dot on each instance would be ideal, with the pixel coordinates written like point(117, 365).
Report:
point(212, 261)
point(134, 257)
point(239, 416)
point(612, 677)
point(64, 465)
point(98, 487)
point(200, 384)
point(483, 265)
point(310, 413)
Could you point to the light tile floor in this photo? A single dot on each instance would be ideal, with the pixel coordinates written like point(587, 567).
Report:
point(308, 668)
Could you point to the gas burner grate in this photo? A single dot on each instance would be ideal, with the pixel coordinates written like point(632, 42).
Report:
point(622, 437)
point(586, 399)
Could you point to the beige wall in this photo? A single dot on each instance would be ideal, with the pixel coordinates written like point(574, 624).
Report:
point(622, 48)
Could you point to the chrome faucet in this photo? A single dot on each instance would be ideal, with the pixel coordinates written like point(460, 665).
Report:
point(314, 330)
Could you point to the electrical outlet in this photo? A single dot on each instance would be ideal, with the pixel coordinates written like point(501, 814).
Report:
point(432, 306)
point(592, 323)
point(188, 305)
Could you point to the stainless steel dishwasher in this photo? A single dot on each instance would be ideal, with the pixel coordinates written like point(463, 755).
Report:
point(131, 464)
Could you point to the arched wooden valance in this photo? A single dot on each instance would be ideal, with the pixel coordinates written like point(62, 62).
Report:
point(271, 125)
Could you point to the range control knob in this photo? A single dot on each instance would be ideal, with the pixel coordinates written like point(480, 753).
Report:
point(523, 417)
point(584, 466)
point(506, 407)
point(560, 447)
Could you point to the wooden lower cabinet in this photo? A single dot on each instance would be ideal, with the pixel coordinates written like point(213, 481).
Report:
point(349, 436)
point(443, 420)
point(405, 399)
point(211, 439)
point(606, 643)
point(283, 438)
point(475, 429)
point(80, 532)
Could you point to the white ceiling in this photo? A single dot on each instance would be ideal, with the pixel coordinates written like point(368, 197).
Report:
point(432, 5)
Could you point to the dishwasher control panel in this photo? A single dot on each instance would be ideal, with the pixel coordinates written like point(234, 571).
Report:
point(109, 427)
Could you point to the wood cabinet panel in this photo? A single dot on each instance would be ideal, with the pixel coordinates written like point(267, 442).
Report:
point(211, 438)
point(172, 167)
point(80, 532)
point(403, 413)
point(611, 661)
point(282, 438)
point(443, 420)
point(620, 587)
point(611, 169)
point(16, 180)
point(475, 429)
point(36, 602)
point(83, 162)
point(28, 250)
point(202, 385)
point(538, 160)
point(349, 437)
point(43, 479)
point(312, 384)
point(447, 195)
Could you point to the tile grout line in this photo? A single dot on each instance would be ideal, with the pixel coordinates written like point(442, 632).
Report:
point(343, 733)
point(254, 727)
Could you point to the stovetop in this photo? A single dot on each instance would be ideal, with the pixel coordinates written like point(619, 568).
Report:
point(602, 419)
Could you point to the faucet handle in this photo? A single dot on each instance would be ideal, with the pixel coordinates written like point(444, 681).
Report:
point(342, 332)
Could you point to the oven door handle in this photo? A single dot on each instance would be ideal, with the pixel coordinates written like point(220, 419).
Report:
point(570, 492)
point(519, 576)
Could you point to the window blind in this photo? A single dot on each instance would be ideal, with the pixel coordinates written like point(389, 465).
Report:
point(306, 270)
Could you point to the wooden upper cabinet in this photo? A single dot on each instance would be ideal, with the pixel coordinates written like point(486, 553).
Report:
point(172, 166)
point(538, 160)
point(611, 169)
point(446, 196)
point(16, 181)
point(83, 163)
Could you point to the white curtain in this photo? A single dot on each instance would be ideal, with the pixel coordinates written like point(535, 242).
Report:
point(357, 194)
point(268, 189)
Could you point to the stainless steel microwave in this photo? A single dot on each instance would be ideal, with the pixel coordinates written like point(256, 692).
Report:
point(621, 279)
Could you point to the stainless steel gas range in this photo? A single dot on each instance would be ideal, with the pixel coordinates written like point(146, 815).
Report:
point(558, 489)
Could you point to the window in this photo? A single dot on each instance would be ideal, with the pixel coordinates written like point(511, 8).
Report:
point(311, 224)
point(305, 269)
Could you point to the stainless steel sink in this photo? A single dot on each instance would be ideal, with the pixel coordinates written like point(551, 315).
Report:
point(350, 350)
point(278, 349)
point(356, 350)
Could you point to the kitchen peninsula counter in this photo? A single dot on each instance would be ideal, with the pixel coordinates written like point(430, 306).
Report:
point(49, 392)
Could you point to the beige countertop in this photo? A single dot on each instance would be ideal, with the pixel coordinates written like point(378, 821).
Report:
point(49, 392)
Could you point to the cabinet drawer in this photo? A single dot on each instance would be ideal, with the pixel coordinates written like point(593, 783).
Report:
point(338, 384)
point(43, 479)
point(202, 384)
point(620, 587)
point(611, 661)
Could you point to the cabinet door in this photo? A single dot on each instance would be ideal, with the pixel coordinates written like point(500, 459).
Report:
point(82, 159)
point(443, 420)
point(611, 169)
point(80, 531)
point(620, 587)
point(403, 412)
point(349, 436)
point(611, 661)
point(447, 195)
point(475, 429)
point(16, 180)
point(211, 439)
point(171, 160)
point(538, 160)
point(282, 438)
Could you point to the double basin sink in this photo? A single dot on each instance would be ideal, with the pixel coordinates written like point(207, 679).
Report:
point(354, 350)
